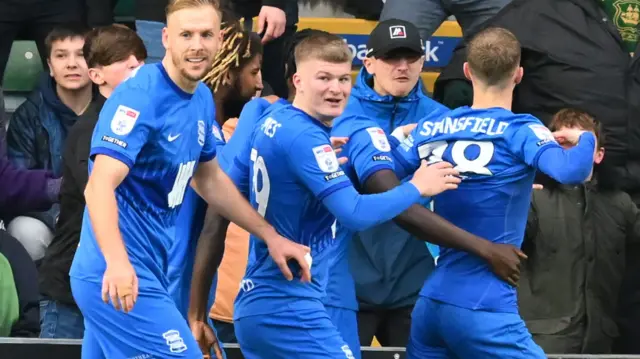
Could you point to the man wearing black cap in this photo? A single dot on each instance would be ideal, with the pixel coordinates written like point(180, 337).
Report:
point(387, 264)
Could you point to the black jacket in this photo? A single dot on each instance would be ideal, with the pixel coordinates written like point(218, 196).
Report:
point(576, 241)
point(54, 269)
point(572, 57)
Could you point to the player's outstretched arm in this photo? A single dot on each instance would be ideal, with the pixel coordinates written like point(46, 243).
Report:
point(120, 283)
point(430, 227)
point(208, 257)
point(218, 190)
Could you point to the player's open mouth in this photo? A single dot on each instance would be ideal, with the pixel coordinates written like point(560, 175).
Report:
point(333, 101)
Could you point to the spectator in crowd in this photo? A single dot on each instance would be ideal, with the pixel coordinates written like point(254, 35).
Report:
point(575, 240)
point(388, 264)
point(234, 79)
point(39, 127)
point(428, 15)
point(34, 19)
point(112, 53)
point(562, 71)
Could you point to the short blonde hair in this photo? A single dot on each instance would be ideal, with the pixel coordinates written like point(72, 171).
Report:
point(177, 5)
point(322, 46)
point(494, 55)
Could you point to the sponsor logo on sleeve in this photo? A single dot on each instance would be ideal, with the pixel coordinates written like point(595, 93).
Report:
point(334, 175)
point(115, 141)
point(326, 158)
point(378, 158)
point(542, 133)
point(123, 120)
point(201, 132)
point(379, 139)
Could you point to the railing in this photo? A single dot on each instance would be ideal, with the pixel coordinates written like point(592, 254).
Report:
point(23, 348)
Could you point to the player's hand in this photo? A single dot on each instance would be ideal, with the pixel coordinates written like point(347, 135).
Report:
point(282, 250)
point(569, 136)
point(337, 143)
point(206, 338)
point(436, 178)
point(538, 186)
point(272, 21)
point(120, 285)
point(504, 260)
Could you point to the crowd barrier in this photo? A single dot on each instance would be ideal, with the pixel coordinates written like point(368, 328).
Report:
point(22, 348)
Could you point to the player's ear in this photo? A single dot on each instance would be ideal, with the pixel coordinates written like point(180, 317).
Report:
point(165, 38)
point(518, 75)
point(297, 81)
point(598, 156)
point(467, 72)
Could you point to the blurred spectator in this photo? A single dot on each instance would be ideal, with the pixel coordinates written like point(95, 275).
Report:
point(112, 53)
point(560, 40)
point(428, 15)
point(388, 264)
point(39, 127)
point(3, 128)
point(576, 239)
point(34, 19)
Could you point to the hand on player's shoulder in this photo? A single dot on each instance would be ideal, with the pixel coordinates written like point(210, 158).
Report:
point(436, 178)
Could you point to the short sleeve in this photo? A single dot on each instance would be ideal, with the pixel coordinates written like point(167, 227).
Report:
point(369, 151)
point(314, 162)
point(125, 125)
point(530, 140)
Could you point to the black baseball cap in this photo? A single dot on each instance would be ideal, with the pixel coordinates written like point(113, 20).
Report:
point(394, 34)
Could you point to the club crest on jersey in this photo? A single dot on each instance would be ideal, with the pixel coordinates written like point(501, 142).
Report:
point(379, 139)
point(543, 134)
point(216, 132)
point(201, 132)
point(326, 158)
point(124, 120)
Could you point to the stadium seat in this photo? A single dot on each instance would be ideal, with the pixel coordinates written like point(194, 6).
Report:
point(23, 68)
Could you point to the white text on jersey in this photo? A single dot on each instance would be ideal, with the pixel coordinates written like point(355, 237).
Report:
point(450, 125)
point(270, 126)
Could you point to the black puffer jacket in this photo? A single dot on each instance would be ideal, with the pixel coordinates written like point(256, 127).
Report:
point(572, 57)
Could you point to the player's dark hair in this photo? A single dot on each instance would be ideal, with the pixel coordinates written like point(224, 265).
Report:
point(493, 56)
point(290, 67)
point(238, 48)
point(323, 46)
point(64, 32)
point(573, 118)
point(107, 45)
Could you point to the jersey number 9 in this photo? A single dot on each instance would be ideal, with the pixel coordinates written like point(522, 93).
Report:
point(261, 195)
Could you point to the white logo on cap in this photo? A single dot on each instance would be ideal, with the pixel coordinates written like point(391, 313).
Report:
point(398, 32)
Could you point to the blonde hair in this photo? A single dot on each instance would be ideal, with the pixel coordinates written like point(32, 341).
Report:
point(493, 55)
point(238, 46)
point(322, 46)
point(177, 5)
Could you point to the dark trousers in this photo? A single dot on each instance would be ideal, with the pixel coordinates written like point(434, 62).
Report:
point(390, 326)
point(225, 331)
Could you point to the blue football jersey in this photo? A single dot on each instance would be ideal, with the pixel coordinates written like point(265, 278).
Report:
point(368, 151)
point(496, 153)
point(292, 168)
point(161, 133)
point(189, 225)
point(251, 113)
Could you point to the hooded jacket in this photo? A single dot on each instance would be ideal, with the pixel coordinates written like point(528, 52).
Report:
point(37, 132)
point(388, 264)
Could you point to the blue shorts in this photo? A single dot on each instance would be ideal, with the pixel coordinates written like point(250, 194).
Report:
point(303, 334)
point(440, 330)
point(346, 320)
point(153, 329)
